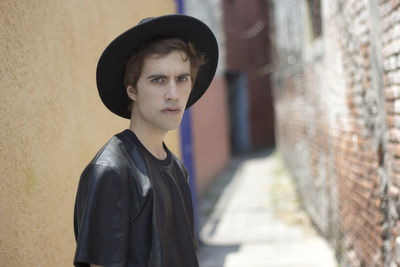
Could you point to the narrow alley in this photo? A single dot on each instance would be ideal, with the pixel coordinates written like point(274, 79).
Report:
point(251, 217)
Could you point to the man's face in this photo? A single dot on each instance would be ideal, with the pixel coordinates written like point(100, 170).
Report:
point(161, 92)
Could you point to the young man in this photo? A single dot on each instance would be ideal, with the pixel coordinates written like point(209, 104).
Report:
point(133, 205)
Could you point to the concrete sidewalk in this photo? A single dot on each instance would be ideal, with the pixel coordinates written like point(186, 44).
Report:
point(251, 217)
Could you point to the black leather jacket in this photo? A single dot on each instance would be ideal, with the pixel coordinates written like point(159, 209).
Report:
point(132, 209)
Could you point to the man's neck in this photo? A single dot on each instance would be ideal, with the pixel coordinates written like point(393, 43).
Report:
point(151, 139)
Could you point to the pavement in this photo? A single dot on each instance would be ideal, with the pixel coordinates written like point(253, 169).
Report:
point(251, 217)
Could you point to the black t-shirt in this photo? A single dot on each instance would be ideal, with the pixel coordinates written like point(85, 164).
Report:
point(133, 209)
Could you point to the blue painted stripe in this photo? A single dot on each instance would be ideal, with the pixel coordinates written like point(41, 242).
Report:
point(180, 6)
point(187, 156)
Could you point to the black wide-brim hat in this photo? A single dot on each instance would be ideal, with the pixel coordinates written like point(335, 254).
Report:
point(112, 63)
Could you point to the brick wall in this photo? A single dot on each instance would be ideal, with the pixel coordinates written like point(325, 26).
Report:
point(390, 17)
point(337, 105)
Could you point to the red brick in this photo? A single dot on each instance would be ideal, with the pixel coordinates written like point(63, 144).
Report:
point(394, 149)
point(395, 163)
point(395, 179)
point(389, 107)
point(394, 191)
point(390, 121)
point(392, 92)
point(394, 135)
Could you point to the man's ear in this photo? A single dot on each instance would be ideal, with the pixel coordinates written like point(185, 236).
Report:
point(132, 92)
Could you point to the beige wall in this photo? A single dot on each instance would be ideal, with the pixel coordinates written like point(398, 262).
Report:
point(52, 121)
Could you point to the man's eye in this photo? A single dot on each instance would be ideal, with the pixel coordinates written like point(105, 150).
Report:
point(157, 80)
point(183, 79)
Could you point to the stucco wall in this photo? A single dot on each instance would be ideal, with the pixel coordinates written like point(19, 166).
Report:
point(52, 121)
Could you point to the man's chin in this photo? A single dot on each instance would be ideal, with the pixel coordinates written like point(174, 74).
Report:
point(172, 126)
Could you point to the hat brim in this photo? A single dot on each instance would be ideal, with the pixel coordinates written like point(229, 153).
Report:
point(111, 66)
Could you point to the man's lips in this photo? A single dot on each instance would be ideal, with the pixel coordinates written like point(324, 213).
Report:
point(171, 110)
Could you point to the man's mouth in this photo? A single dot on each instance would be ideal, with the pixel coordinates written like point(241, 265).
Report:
point(171, 110)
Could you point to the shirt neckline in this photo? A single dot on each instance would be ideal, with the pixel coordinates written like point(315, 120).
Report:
point(132, 137)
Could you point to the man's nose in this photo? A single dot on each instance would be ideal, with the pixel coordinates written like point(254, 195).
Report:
point(172, 91)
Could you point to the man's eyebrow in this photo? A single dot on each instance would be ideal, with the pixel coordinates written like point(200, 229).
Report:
point(152, 76)
point(156, 76)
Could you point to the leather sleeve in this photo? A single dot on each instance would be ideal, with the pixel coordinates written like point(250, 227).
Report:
point(101, 217)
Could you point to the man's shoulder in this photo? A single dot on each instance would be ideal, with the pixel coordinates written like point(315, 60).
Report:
point(113, 167)
point(113, 154)
point(109, 167)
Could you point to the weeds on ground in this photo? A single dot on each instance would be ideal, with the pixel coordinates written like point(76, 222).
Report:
point(284, 197)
